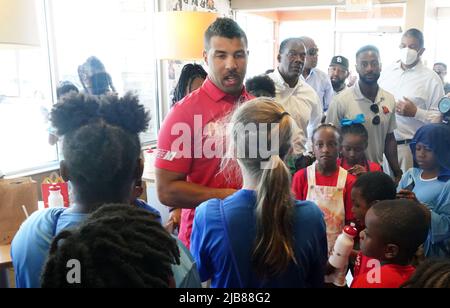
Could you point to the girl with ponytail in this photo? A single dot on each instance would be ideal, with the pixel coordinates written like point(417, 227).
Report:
point(260, 236)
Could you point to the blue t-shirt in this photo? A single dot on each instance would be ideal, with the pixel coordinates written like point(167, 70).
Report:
point(435, 194)
point(30, 247)
point(224, 233)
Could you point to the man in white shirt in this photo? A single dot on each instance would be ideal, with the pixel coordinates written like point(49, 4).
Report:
point(317, 79)
point(377, 105)
point(297, 97)
point(417, 91)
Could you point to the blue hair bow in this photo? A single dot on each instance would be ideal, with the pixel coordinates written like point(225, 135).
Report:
point(359, 119)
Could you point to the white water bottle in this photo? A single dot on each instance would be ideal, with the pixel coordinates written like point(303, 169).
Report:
point(343, 247)
point(55, 198)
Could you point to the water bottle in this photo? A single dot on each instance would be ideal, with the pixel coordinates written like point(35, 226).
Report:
point(343, 247)
point(55, 199)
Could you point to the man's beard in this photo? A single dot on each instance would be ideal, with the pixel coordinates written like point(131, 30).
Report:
point(369, 81)
point(338, 84)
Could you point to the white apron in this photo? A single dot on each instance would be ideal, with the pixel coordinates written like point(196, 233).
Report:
point(331, 201)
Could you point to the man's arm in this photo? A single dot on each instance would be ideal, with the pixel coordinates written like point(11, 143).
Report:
point(174, 191)
point(390, 150)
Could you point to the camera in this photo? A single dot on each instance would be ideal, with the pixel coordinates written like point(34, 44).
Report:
point(444, 108)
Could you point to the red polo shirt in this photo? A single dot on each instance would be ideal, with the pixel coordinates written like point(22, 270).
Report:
point(192, 141)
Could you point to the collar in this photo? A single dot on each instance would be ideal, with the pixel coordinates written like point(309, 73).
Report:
point(218, 95)
point(311, 72)
point(280, 80)
point(360, 97)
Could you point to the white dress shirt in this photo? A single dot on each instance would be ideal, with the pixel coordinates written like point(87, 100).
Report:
point(303, 105)
point(321, 83)
point(419, 84)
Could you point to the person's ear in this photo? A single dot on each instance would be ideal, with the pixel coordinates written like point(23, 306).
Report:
point(346, 75)
point(391, 251)
point(205, 57)
point(279, 58)
point(64, 171)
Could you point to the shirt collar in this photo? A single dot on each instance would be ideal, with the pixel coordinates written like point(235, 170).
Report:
point(359, 96)
point(218, 95)
point(280, 80)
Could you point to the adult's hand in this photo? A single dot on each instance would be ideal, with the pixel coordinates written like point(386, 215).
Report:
point(406, 108)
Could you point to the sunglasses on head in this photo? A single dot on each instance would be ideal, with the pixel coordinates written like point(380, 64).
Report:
point(375, 109)
point(313, 51)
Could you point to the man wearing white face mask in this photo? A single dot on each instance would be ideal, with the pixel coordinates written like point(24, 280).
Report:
point(417, 91)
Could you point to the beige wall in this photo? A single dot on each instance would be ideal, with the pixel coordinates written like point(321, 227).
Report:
point(275, 4)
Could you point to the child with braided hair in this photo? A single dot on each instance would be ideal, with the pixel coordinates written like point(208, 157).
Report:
point(101, 150)
point(117, 246)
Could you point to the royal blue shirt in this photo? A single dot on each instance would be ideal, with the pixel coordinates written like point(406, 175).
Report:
point(224, 233)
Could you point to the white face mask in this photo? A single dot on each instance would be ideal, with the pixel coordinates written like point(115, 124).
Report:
point(408, 56)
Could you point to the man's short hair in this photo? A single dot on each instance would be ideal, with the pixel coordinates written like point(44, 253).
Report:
point(224, 27)
point(442, 64)
point(417, 34)
point(285, 42)
point(366, 49)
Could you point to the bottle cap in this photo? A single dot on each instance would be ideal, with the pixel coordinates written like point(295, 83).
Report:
point(54, 188)
point(351, 230)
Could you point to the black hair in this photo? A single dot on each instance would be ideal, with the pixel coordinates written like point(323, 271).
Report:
point(188, 74)
point(366, 49)
point(286, 42)
point(91, 82)
point(355, 129)
point(324, 126)
point(117, 246)
point(442, 64)
point(224, 27)
point(101, 143)
point(402, 222)
point(376, 186)
point(65, 87)
point(261, 85)
point(417, 34)
point(432, 273)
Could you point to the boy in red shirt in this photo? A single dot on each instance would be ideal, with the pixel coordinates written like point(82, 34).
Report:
point(394, 231)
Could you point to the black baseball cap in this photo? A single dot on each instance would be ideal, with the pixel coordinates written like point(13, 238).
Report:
point(341, 61)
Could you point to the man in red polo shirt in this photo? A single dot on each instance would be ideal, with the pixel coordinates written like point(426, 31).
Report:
point(191, 142)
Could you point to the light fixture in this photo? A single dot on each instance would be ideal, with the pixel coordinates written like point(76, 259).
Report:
point(18, 24)
point(180, 34)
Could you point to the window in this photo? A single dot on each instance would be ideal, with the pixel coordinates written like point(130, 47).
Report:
point(118, 32)
point(25, 98)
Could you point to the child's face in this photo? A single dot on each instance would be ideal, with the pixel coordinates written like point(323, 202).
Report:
point(353, 147)
point(360, 206)
point(371, 242)
point(425, 157)
point(326, 147)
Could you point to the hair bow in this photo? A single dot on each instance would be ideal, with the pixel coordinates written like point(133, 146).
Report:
point(359, 119)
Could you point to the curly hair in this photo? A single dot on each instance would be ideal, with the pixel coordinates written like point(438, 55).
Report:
point(101, 144)
point(117, 246)
point(188, 74)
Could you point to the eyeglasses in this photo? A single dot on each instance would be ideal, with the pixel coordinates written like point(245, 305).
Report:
point(313, 51)
point(375, 109)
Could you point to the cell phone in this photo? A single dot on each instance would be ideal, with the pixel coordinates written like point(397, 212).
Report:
point(410, 186)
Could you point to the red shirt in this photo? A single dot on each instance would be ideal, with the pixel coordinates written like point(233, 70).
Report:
point(367, 274)
point(188, 138)
point(373, 167)
point(300, 188)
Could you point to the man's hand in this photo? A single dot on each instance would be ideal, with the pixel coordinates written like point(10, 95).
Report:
point(174, 220)
point(406, 108)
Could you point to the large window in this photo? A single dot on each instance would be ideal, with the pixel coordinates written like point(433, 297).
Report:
point(118, 32)
point(25, 98)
